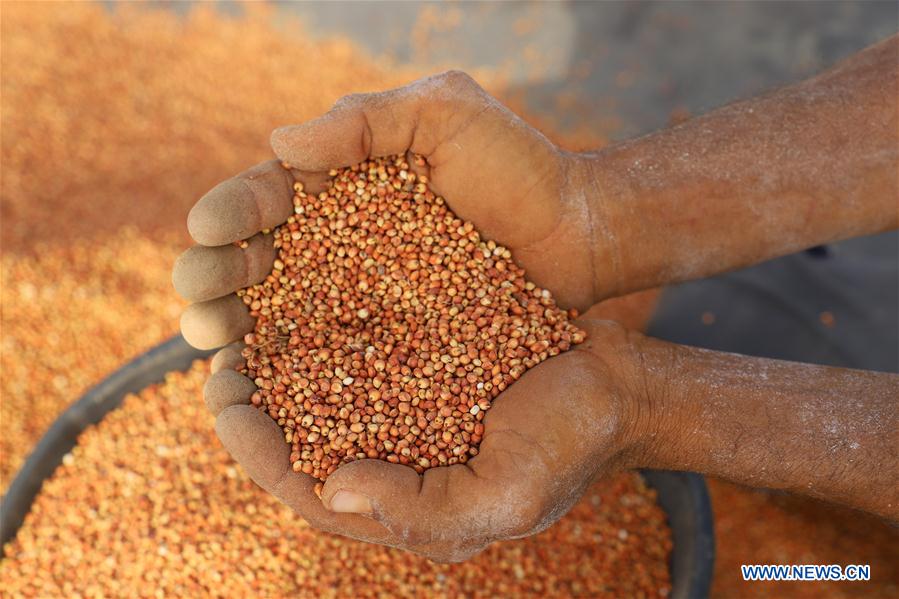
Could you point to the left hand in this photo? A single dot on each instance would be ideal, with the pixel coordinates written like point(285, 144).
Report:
point(546, 438)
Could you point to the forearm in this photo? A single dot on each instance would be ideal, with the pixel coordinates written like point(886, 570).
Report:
point(831, 433)
point(808, 164)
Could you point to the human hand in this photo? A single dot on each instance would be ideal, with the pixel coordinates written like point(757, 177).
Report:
point(518, 189)
point(513, 183)
point(548, 436)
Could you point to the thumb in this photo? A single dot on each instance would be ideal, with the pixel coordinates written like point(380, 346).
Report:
point(494, 496)
point(417, 509)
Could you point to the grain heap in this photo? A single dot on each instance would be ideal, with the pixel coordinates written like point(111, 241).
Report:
point(388, 325)
point(71, 314)
point(149, 504)
point(75, 172)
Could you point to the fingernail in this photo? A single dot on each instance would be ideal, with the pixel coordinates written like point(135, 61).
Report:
point(347, 502)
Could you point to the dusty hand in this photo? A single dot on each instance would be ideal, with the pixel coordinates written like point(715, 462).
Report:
point(545, 439)
point(493, 169)
point(547, 436)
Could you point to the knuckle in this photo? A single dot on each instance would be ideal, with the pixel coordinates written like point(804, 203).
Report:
point(458, 80)
point(314, 521)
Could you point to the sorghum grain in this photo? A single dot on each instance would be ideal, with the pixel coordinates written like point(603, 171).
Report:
point(388, 325)
point(75, 169)
point(71, 314)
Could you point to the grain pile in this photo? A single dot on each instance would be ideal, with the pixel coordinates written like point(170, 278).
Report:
point(71, 314)
point(149, 504)
point(103, 118)
point(106, 111)
point(388, 325)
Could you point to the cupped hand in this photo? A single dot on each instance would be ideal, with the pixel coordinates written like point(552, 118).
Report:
point(548, 435)
point(546, 438)
point(494, 170)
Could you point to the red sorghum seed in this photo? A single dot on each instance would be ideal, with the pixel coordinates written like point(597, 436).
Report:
point(392, 323)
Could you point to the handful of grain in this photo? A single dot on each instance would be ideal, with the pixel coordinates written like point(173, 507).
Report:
point(389, 325)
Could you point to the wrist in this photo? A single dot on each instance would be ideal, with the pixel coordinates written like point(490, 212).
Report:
point(629, 252)
point(632, 377)
point(655, 417)
point(587, 204)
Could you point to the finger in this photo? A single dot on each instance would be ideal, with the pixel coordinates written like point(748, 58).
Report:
point(203, 273)
point(417, 117)
point(240, 207)
point(229, 358)
point(297, 491)
point(207, 325)
point(256, 442)
point(227, 388)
